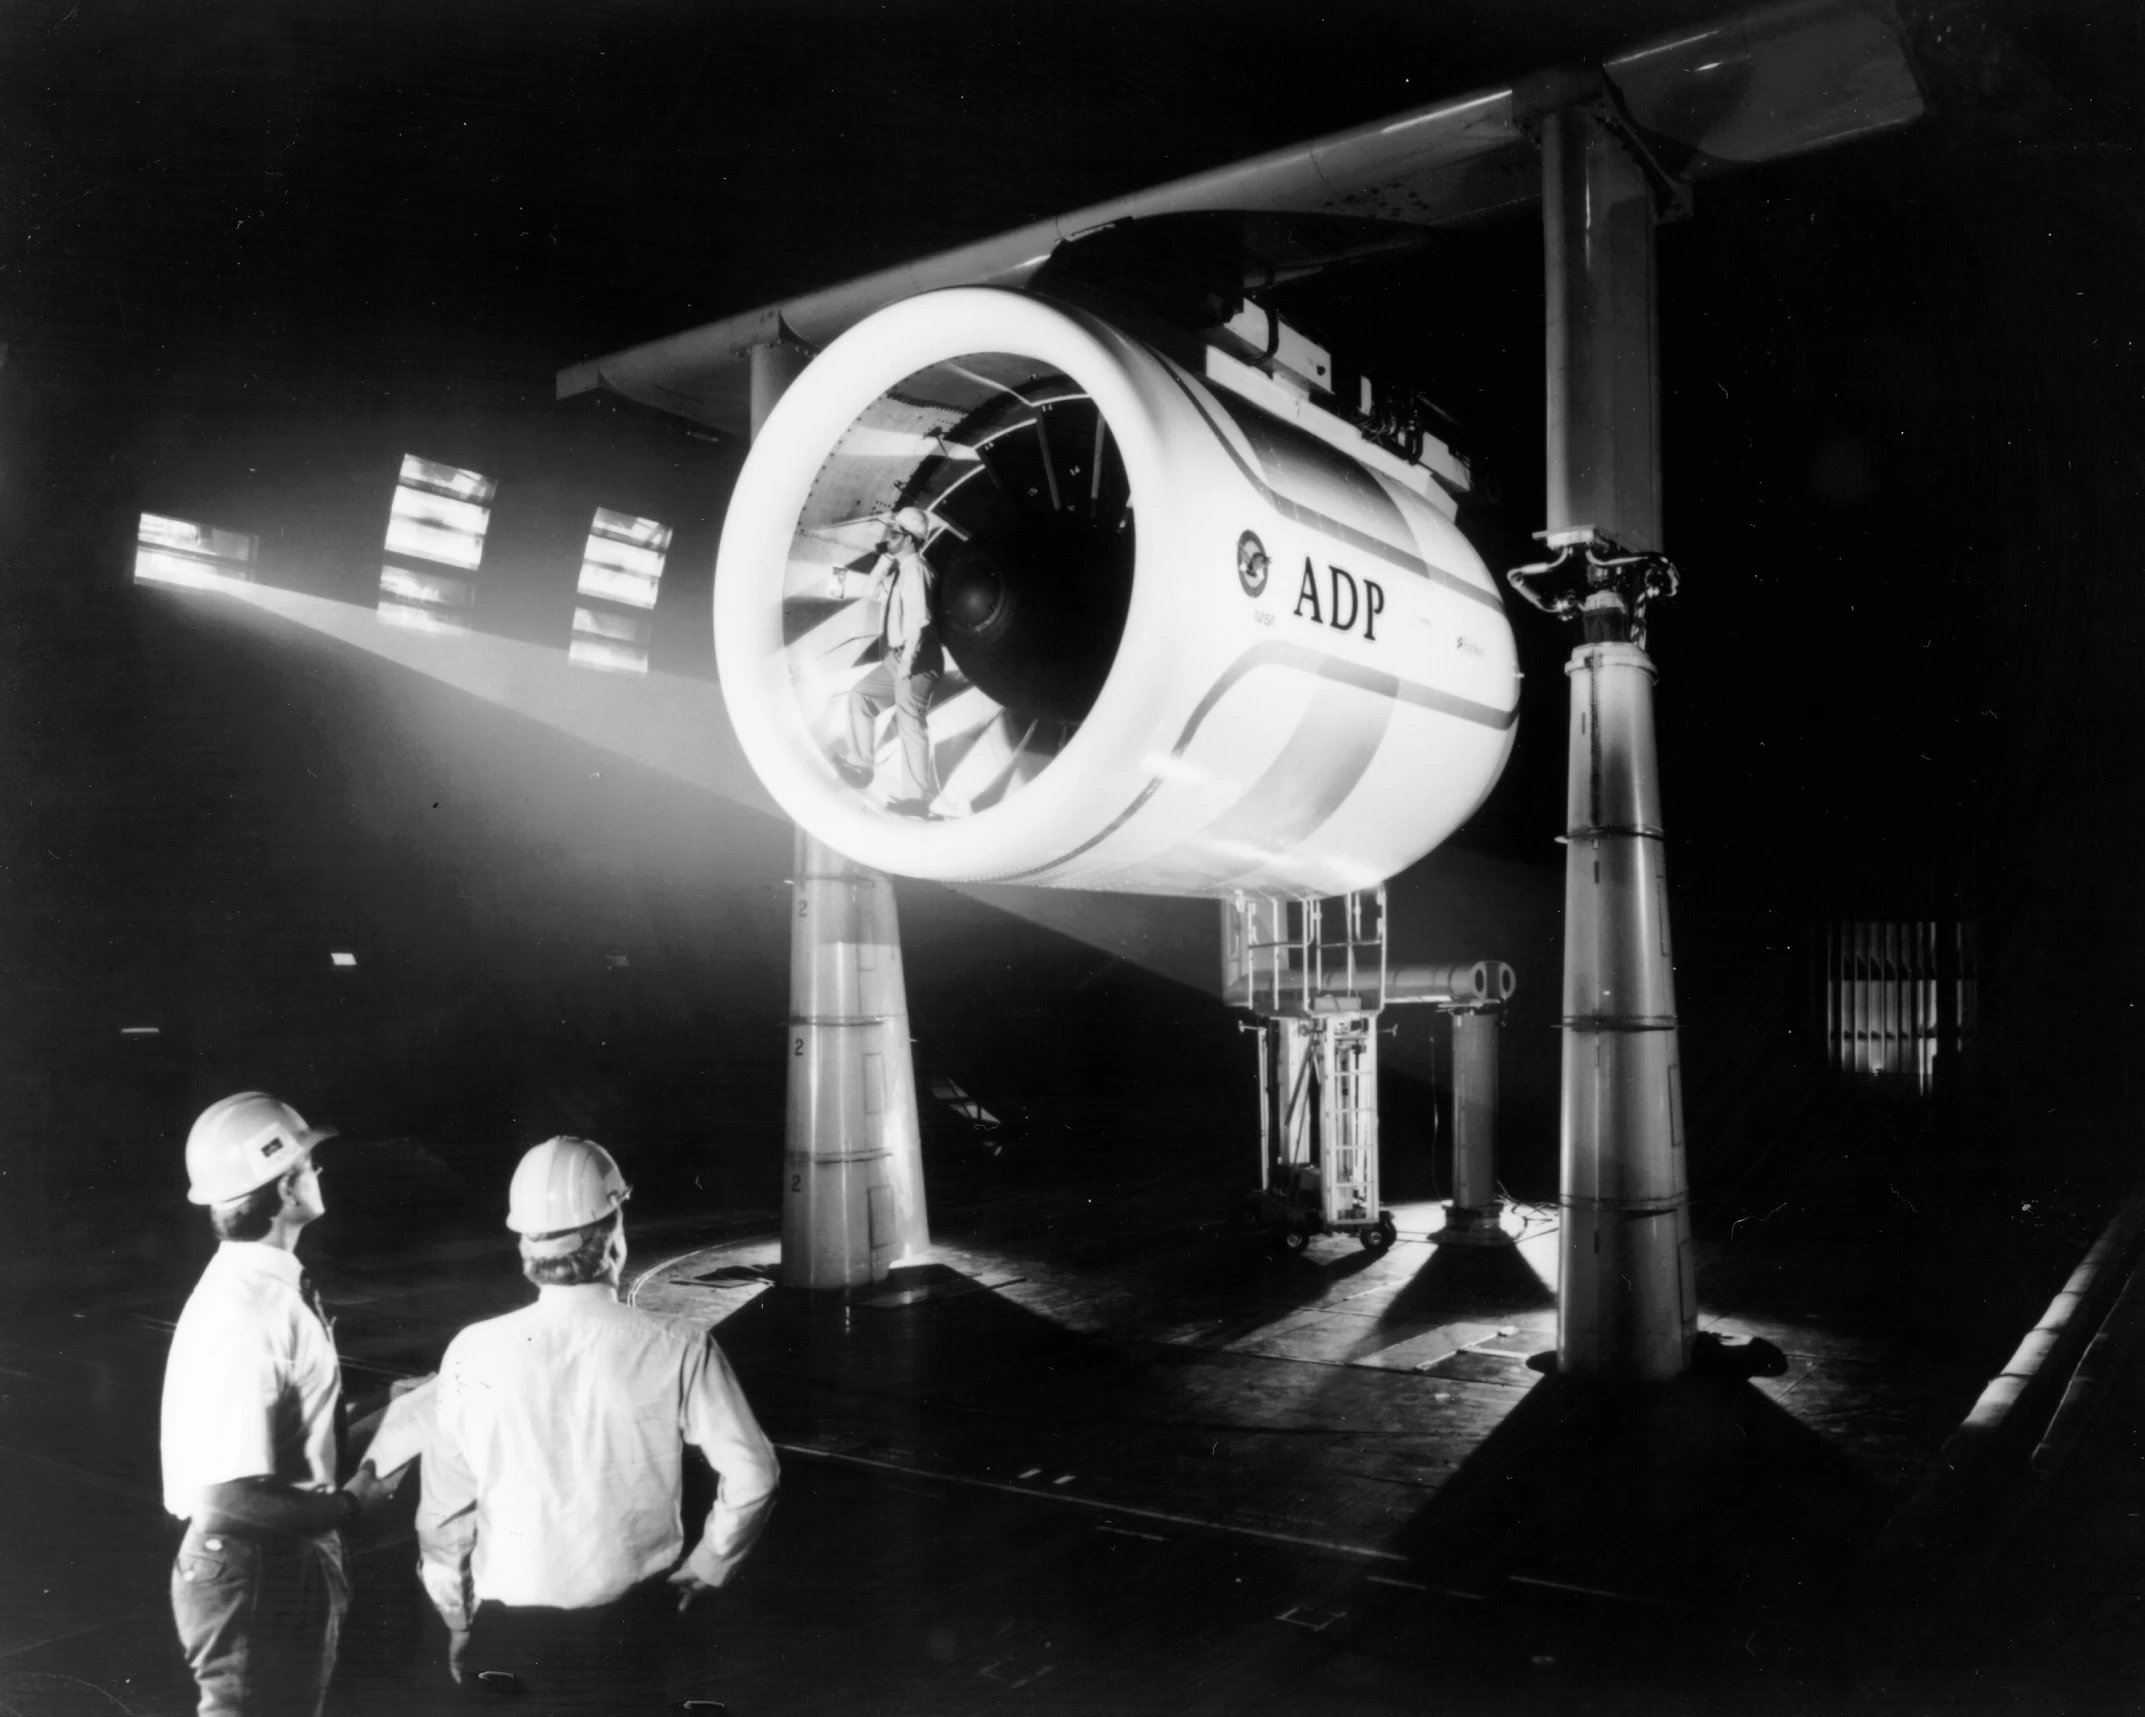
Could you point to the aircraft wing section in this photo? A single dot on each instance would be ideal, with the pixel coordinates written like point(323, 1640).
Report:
point(1756, 86)
point(703, 373)
point(1764, 85)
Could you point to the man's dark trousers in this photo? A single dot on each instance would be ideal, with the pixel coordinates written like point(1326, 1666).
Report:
point(258, 1616)
point(613, 1659)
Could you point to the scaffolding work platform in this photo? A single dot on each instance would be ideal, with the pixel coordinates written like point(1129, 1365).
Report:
point(1317, 974)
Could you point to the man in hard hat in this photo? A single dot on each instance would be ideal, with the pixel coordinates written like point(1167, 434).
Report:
point(550, 1531)
point(908, 673)
point(249, 1426)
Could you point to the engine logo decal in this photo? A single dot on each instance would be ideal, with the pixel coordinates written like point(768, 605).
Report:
point(1251, 563)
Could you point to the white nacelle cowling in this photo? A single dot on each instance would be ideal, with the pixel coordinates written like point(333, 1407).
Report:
point(1188, 649)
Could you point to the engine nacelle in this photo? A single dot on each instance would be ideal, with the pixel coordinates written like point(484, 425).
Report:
point(1186, 647)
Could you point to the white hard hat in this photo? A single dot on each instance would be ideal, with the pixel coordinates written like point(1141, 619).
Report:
point(564, 1183)
point(912, 520)
point(245, 1142)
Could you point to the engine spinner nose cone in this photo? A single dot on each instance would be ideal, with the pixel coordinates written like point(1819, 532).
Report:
point(973, 595)
point(1033, 610)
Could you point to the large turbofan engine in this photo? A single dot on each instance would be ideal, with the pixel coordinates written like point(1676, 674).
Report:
point(1184, 646)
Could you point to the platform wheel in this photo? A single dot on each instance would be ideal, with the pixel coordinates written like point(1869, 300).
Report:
point(1381, 1234)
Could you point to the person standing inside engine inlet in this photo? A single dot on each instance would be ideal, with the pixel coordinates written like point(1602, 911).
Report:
point(906, 675)
point(550, 1529)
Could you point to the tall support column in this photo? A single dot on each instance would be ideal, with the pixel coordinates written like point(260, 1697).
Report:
point(1603, 395)
point(852, 1173)
point(852, 1189)
point(1472, 1218)
point(774, 366)
point(1625, 1300)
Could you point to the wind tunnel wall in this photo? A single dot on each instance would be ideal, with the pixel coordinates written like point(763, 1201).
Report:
point(1184, 647)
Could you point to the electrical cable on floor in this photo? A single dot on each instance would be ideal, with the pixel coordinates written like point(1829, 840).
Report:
point(1529, 1213)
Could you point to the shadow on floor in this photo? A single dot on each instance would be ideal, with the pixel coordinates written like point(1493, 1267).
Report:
point(1495, 1280)
point(1690, 1529)
point(921, 1357)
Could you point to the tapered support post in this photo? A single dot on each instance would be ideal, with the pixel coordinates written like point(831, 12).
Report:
point(852, 1191)
point(1626, 1307)
point(1626, 1300)
point(852, 1171)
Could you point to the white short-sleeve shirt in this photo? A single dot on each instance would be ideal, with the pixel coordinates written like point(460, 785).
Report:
point(251, 1386)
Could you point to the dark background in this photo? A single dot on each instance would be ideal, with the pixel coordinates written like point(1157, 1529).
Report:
point(251, 254)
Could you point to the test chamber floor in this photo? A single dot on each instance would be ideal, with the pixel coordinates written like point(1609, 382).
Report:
point(1084, 1466)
